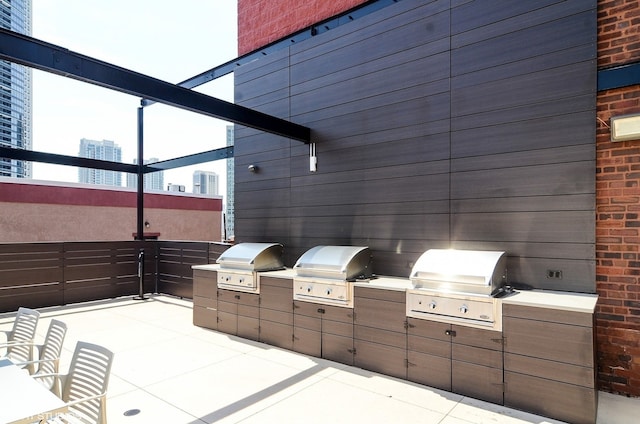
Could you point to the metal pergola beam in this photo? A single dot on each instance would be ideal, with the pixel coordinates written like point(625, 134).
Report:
point(48, 57)
point(210, 156)
point(32, 156)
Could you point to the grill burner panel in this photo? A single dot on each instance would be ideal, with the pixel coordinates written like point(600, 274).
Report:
point(325, 274)
point(458, 286)
point(240, 264)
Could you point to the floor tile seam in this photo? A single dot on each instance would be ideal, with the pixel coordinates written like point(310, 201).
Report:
point(164, 380)
point(307, 384)
point(142, 389)
point(405, 382)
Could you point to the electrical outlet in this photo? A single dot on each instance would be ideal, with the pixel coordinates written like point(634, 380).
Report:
point(554, 274)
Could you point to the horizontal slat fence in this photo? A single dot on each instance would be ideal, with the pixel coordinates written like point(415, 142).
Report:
point(49, 274)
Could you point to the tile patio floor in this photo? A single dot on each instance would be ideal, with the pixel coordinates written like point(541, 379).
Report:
point(174, 372)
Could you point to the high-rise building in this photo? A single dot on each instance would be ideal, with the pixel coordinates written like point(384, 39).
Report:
point(15, 93)
point(103, 150)
point(152, 180)
point(229, 210)
point(205, 182)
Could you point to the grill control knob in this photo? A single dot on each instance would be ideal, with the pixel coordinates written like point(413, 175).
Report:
point(329, 292)
point(464, 309)
point(309, 289)
point(432, 305)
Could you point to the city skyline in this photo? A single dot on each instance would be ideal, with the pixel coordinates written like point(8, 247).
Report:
point(15, 94)
point(66, 110)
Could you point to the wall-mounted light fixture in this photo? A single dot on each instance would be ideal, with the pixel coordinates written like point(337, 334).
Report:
point(253, 168)
point(625, 127)
point(147, 224)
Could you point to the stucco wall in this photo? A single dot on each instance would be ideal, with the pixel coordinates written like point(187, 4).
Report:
point(34, 212)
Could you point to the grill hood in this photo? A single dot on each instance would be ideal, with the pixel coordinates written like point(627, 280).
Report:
point(252, 257)
point(344, 263)
point(474, 272)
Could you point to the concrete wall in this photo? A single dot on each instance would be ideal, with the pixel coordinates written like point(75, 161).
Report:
point(41, 211)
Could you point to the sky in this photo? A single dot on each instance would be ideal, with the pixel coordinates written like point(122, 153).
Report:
point(168, 40)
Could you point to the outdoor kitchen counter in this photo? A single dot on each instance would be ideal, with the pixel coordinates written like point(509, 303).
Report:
point(386, 283)
point(565, 301)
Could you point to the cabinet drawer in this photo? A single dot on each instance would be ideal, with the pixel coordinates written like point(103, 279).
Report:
point(205, 302)
point(336, 313)
point(276, 334)
point(374, 335)
point(427, 328)
point(205, 317)
point(552, 370)
point(557, 342)
point(337, 328)
point(434, 371)
point(238, 297)
point(477, 337)
point(276, 316)
point(548, 314)
point(380, 358)
point(337, 348)
point(307, 308)
point(228, 307)
point(477, 355)
point(379, 314)
point(566, 402)
point(276, 298)
point(205, 283)
point(284, 283)
point(380, 294)
point(310, 323)
point(248, 311)
point(249, 328)
point(435, 347)
point(307, 341)
point(477, 381)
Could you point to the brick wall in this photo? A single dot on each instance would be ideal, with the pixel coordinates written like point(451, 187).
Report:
point(261, 22)
point(618, 208)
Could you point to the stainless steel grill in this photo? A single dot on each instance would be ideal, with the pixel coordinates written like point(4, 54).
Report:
point(240, 265)
point(325, 274)
point(458, 286)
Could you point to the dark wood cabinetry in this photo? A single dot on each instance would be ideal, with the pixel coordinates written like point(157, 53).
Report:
point(324, 331)
point(276, 311)
point(461, 359)
point(380, 336)
point(549, 362)
point(239, 313)
point(205, 299)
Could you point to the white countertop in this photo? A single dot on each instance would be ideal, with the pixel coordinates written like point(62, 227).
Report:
point(577, 302)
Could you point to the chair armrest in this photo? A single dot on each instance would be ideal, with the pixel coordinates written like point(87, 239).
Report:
point(18, 343)
point(87, 399)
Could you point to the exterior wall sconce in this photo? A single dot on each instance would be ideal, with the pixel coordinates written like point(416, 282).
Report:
point(147, 224)
point(625, 127)
point(253, 168)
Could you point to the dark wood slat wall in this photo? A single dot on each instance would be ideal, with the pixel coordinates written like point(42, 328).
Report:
point(463, 124)
point(49, 274)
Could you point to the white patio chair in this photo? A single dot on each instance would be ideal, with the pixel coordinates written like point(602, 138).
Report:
point(20, 340)
point(48, 361)
point(84, 388)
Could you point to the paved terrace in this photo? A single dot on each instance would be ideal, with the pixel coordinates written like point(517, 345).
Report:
point(174, 372)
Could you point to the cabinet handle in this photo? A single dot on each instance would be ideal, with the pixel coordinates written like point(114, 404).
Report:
point(237, 296)
point(451, 333)
point(498, 340)
point(320, 310)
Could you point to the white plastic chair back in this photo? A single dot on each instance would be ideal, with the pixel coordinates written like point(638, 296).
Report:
point(49, 359)
point(24, 331)
point(88, 377)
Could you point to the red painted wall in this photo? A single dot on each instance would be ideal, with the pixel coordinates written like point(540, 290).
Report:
point(261, 22)
point(34, 212)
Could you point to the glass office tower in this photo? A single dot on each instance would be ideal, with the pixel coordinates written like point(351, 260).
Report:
point(15, 93)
